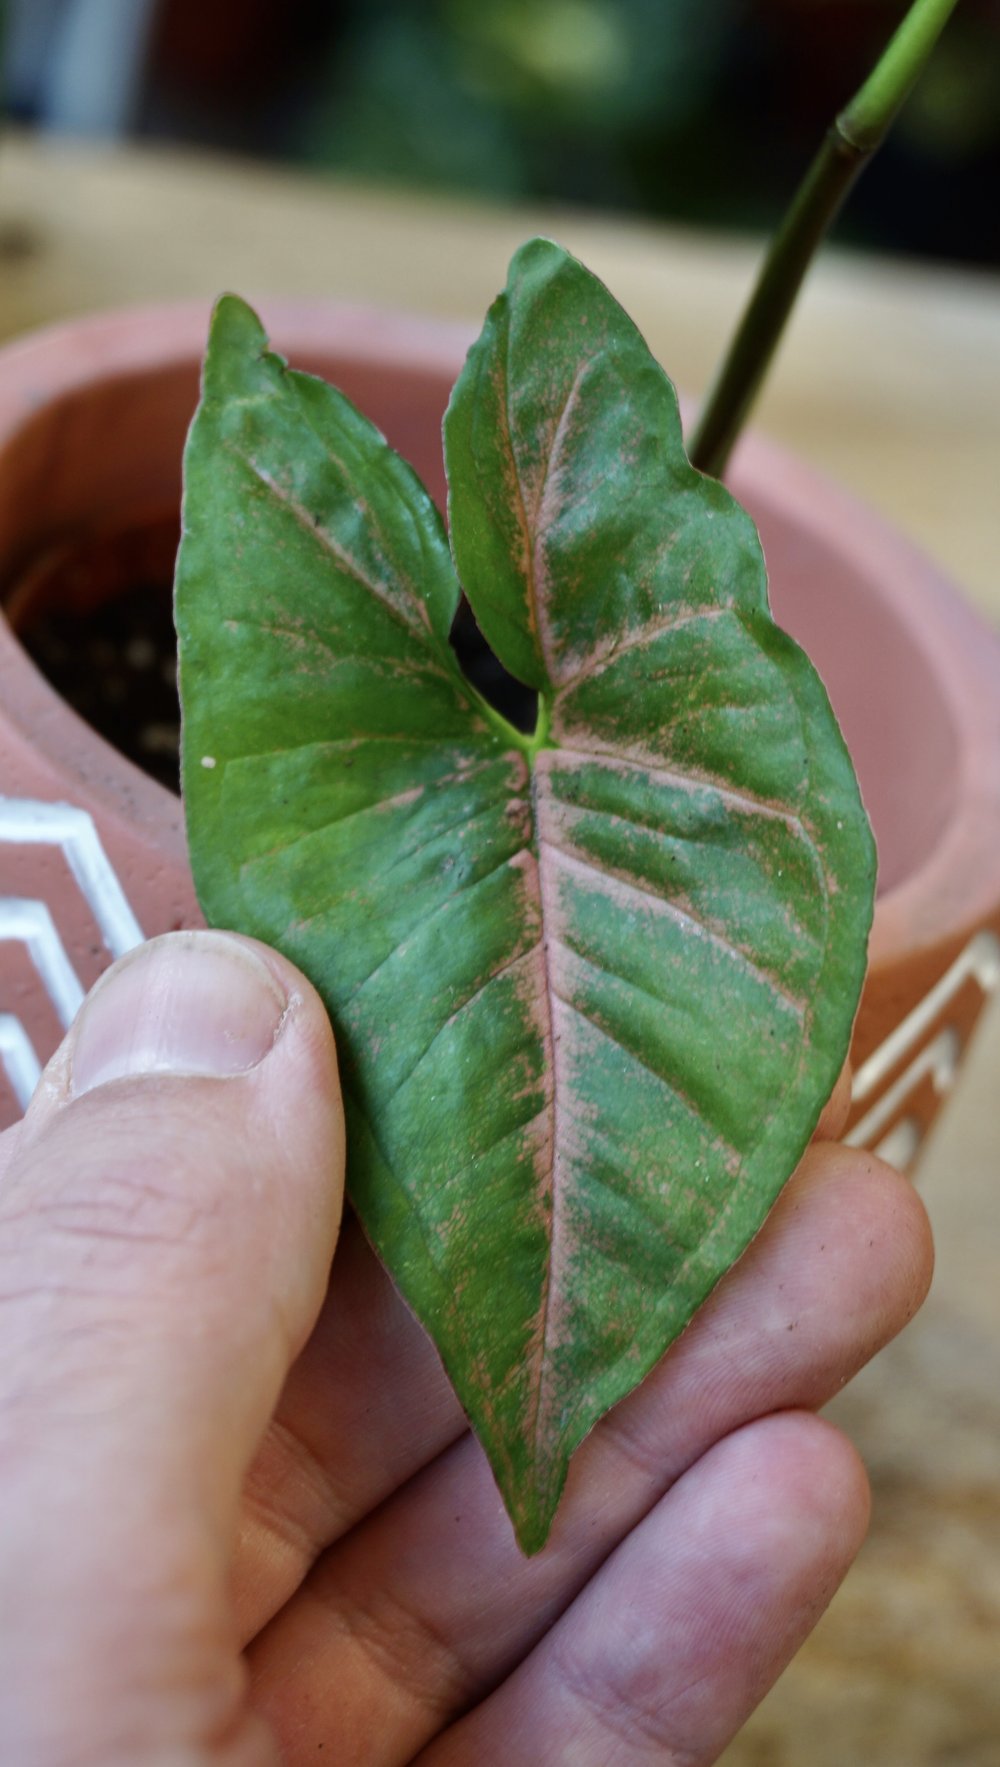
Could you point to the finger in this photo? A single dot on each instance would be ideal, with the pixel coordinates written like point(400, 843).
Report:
point(366, 1405)
point(365, 1409)
point(428, 1602)
point(679, 1636)
point(8, 1142)
point(166, 1228)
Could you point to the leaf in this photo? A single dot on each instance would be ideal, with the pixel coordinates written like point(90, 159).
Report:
point(591, 988)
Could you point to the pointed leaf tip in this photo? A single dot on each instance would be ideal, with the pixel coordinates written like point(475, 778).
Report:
point(237, 343)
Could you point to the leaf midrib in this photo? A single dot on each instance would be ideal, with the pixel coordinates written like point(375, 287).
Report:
point(553, 1067)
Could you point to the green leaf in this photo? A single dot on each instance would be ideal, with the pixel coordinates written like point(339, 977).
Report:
point(592, 988)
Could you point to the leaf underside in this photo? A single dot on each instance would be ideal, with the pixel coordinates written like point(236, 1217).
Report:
point(590, 989)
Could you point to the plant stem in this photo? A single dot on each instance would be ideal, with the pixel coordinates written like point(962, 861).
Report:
point(856, 133)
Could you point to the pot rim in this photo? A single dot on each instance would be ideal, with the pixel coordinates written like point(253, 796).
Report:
point(961, 650)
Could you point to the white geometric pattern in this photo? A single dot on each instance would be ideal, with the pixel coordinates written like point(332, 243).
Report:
point(20, 918)
point(27, 822)
point(938, 1059)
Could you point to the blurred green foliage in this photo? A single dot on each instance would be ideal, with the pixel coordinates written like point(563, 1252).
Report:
point(701, 110)
point(549, 97)
point(562, 98)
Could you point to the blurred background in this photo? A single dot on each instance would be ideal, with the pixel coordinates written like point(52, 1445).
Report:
point(702, 111)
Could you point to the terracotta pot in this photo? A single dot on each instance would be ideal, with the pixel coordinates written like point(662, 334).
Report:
point(92, 421)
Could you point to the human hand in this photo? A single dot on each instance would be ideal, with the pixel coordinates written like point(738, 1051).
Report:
point(202, 1450)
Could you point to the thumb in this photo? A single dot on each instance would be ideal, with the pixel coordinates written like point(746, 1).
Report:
point(167, 1221)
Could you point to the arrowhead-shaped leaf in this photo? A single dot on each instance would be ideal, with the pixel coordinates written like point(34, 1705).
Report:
point(591, 988)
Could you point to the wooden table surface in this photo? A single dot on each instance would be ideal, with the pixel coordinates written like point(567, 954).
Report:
point(890, 380)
